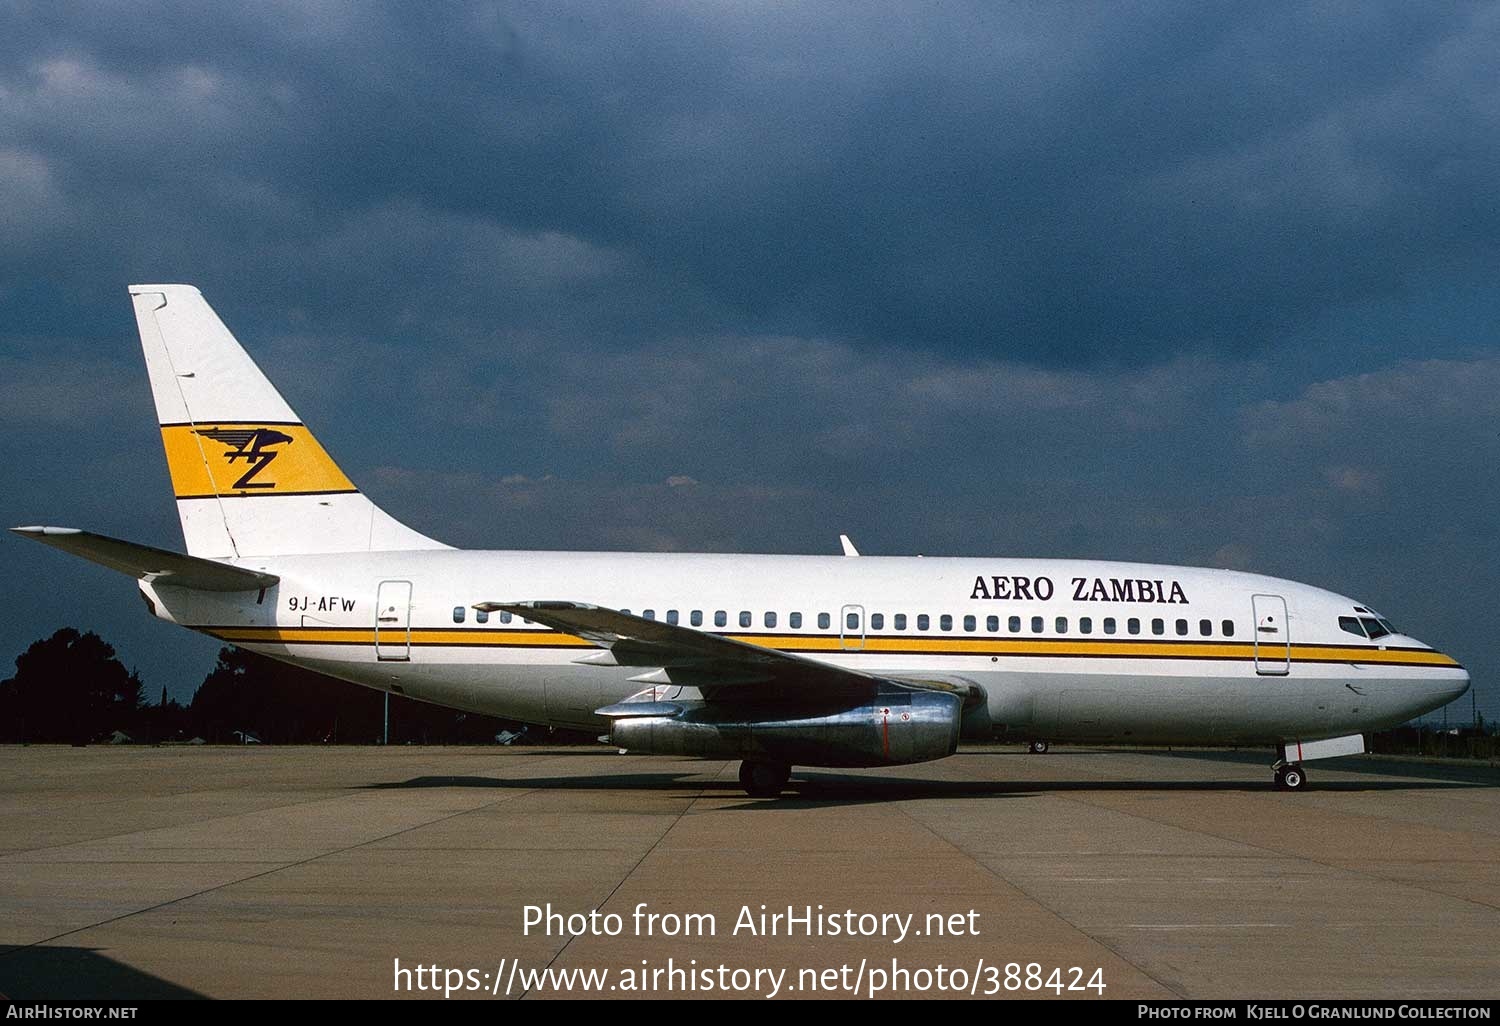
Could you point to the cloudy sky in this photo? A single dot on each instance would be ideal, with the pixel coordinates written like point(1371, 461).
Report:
point(1194, 283)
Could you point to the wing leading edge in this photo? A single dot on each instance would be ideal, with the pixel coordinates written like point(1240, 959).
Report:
point(716, 665)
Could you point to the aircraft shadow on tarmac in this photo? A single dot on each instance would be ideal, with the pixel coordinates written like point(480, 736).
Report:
point(43, 972)
point(817, 787)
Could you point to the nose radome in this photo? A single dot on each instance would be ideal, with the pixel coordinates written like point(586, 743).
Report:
point(1462, 685)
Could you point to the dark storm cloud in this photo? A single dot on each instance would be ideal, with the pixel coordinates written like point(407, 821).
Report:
point(1051, 183)
point(1193, 283)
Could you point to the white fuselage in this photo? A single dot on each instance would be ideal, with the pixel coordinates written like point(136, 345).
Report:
point(1062, 649)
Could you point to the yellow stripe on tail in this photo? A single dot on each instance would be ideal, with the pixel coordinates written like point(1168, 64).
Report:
point(249, 459)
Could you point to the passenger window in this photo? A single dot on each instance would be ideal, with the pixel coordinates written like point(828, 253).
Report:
point(671, 616)
point(1182, 628)
point(1015, 625)
point(900, 621)
point(823, 621)
point(1109, 625)
point(992, 624)
point(721, 618)
point(1133, 625)
point(696, 619)
point(1205, 627)
point(1085, 625)
point(649, 614)
point(945, 623)
point(458, 614)
point(1228, 626)
point(877, 621)
point(970, 624)
point(796, 621)
point(851, 621)
point(505, 617)
point(770, 620)
point(922, 621)
point(481, 616)
point(744, 618)
point(1036, 625)
point(1062, 625)
point(1158, 626)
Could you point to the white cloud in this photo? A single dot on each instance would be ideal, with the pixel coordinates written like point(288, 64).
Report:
point(1381, 410)
point(64, 390)
point(410, 246)
point(31, 203)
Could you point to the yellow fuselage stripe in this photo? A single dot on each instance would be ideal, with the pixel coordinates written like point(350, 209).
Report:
point(468, 638)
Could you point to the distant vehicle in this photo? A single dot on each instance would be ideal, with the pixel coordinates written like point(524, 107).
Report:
point(506, 737)
point(776, 660)
point(244, 738)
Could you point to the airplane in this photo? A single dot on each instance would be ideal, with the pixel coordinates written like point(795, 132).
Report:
point(774, 660)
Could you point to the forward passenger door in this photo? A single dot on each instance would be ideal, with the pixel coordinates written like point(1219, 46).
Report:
point(1273, 636)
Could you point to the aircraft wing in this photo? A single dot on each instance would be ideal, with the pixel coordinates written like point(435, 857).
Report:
point(714, 664)
point(146, 563)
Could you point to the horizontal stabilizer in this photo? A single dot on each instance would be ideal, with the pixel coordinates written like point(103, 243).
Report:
point(150, 564)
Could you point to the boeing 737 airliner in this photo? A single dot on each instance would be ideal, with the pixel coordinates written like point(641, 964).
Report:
point(774, 660)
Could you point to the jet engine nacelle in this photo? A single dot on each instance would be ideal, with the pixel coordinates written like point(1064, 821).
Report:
point(892, 729)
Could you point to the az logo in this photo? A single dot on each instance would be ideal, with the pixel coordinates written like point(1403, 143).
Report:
point(253, 445)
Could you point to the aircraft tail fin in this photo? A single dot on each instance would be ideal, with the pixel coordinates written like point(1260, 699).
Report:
point(249, 477)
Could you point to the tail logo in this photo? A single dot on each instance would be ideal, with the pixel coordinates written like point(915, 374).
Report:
point(253, 445)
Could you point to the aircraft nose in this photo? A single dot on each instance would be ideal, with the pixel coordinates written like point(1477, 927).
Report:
point(1450, 689)
point(1460, 686)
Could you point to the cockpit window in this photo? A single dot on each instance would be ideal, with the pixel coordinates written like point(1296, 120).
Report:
point(1350, 624)
point(1373, 627)
point(1389, 627)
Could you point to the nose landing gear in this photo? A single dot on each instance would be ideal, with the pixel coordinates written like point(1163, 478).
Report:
point(1289, 776)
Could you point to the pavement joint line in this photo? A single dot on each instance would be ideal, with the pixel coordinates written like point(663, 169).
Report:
point(232, 815)
point(343, 792)
point(686, 808)
point(991, 871)
point(1336, 866)
point(257, 876)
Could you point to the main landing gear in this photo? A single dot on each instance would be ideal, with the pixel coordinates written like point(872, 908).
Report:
point(1038, 747)
point(1289, 776)
point(763, 779)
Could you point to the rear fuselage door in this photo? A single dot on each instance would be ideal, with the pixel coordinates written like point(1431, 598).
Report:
point(393, 621)
point(1273, 636)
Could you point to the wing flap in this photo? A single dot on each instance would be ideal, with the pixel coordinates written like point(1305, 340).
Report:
point(147, 563)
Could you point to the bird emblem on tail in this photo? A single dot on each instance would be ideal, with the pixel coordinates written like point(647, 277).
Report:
point(253, 445)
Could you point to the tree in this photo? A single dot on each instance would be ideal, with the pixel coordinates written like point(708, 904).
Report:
point(286, 704)
point(69, 687)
